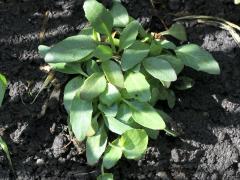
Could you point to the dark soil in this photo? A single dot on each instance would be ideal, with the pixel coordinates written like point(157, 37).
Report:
point(208, 115)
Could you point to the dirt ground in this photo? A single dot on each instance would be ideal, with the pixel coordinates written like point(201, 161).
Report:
point(208, 115)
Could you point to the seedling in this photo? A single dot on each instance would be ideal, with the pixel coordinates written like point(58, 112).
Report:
point(121, 72)
point(3, 145)
point(3, 86)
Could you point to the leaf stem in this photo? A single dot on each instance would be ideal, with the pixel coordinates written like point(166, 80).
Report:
point(112, 43)
point(128, 103)
point(170, 132)
point(145, 39)
point(102, 169)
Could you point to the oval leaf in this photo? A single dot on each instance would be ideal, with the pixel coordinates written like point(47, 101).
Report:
point(95, 146)
point(92, 67)
point(93, 86)
point(178, 31)
point(145, 115)
point(80, 117)
point(195, 57)
point(110, 95)
point(120, 15)
point(103, 52)
point(155, 48)
point(113, 73)
point(115, 125)
point(171, 99)
point(74, 48)
point(70, 91)
point(137, 86)
point(108, 111)
point(93, 127)
point(124, 113)
point(42, 49)
point(111, 156)
point(134, 55)
point(160, 69)
point(68, 68)
point(99, 17)
point(168, 45)
point(175, 62)
point(134, 143)
point(184, 83)
point(129, 35)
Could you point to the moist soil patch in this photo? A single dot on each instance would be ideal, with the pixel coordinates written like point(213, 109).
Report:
point(207, 116)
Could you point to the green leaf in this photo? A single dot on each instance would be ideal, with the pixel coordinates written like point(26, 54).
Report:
point(105, 176)
point(184, 83)
point(134, 55)
point(92, 67)
point(145, 115)
point(74, 48)
point(110, 95)
point(154, 95)
point(124, 113)
point(125, 94)
point(166, 84)
point(159, 69)
point(80, 117)
point(68, 68)
point(113, 73)
point(92, 130)
point(96, 145)
point(111, 156)
point(168, 45)
point(3, 86)
point(155, 48)
point(153, 134)
point(99, 17)
point(129, 35)
point(108, 111)
point(103, 52)
point(163, 92)
point(178, 31)
point(171, 99)
point(143, 33)
point(70, 91)
point(93, 86)
point(42, 49)
point(4, 147)
point(165, 116)
point(134, 143)
point(115, 125)
point(137, 86)
point(120, 15)
point(87, 31)
point(195, 57)
point(175, 62)
point(137, 68)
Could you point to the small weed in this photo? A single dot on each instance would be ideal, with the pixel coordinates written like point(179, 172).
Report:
point(121, 72)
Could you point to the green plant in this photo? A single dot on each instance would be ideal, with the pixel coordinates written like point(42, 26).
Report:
point(3, 145)
point(3, 86)
point(121, 72)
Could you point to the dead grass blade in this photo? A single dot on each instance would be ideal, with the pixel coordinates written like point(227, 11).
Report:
point(210, 18)
point(215, 21)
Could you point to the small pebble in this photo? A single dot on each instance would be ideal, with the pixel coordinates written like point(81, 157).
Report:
point(40, 162)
